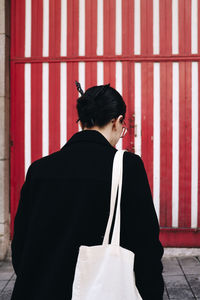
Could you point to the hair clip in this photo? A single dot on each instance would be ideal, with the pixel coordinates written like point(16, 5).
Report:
point(78, 86)
point(102, 90)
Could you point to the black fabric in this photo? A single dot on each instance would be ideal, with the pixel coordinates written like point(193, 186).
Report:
point(64, 203)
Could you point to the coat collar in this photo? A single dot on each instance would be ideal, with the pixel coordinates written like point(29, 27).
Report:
point(88, 135)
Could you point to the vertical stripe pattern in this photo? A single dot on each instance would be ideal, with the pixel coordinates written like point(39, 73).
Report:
point(110, 41)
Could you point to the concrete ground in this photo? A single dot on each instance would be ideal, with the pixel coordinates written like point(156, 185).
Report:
point(181, 275)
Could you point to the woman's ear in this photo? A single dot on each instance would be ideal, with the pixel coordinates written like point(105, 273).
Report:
point(81, 125)
point(114, 124)
point(120, 118)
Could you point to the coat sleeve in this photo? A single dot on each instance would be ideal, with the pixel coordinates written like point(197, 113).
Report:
point(21, 222)
point(148, 249)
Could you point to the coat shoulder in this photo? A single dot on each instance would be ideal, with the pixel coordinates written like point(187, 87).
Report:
point(132, 159)
point(133, 165)
point(43, 165)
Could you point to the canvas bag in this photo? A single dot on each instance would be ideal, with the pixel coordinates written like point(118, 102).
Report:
point(105, 272)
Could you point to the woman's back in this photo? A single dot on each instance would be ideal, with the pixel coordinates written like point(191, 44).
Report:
point(65, 203)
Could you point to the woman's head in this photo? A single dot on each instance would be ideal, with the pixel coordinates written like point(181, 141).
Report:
point(101, 108)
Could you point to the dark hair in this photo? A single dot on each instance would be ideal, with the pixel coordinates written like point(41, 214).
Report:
point(98, 105)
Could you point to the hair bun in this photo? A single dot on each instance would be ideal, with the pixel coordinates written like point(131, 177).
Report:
point(99, 104)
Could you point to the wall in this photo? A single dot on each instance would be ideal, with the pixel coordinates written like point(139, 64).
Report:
point(149, 50)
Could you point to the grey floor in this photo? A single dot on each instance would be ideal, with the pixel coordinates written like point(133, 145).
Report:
point(181, 276)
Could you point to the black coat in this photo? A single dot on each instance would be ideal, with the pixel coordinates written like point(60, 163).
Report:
point(64, 203)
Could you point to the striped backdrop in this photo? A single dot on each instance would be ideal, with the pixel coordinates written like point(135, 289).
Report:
point(149, 50)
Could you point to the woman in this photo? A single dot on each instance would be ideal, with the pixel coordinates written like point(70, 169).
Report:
point(64, 203)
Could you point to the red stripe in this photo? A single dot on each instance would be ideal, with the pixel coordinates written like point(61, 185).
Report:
point(17, 134)
point(90, 74)
point(198, 167)
point(128, 88)
point(57, 25)
point(36, 25)
point(162, 28)
point(179, 238)
point(181, 26)
point(127, 27)
point(19, 28)
point(90, 27)
point(185, 145)
point(187, 24)
point(17, 105)
point(143, 25)
point(146, 26)
point(185, 27)
point(165, 144)
point(147, 120)
point(12, 30)
point(109, 8)
point(54, 76)
point(149, 26)
point(72, 27)
point(72, 95)
point(51, 29)
point(165, 27)
point(54, 27)
point(36, 111)
point(90, 42)
point(54, 107)
point(198, 27)
point(109, 73)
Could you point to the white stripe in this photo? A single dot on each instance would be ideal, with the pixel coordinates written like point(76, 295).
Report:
point(175, 145)
point(175, 45)
point(137, 33)
point(45, 27)
point(27, 116)
point(99, 73)
point(156, 39)
point(81, 76)
point(28, 28)
point(194, 26)
point(63, 28)
point(63, 104)
point(118, 32)
point(194, 171)
point(156, 139)
point(137, 108)
point(119, 89)
point(45, 109)
point(99, 27)
point(81, 27)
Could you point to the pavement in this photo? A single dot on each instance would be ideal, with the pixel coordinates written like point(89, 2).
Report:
point(181, 276)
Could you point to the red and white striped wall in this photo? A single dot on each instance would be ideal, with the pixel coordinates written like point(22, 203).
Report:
point(149, 50)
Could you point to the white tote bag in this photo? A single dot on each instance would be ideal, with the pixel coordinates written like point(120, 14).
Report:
point(105, 272)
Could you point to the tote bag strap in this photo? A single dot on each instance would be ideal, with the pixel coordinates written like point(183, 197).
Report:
point(117, 173)
point(116, 229)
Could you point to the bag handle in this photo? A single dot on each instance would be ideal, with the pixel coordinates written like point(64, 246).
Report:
point(117, 175)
